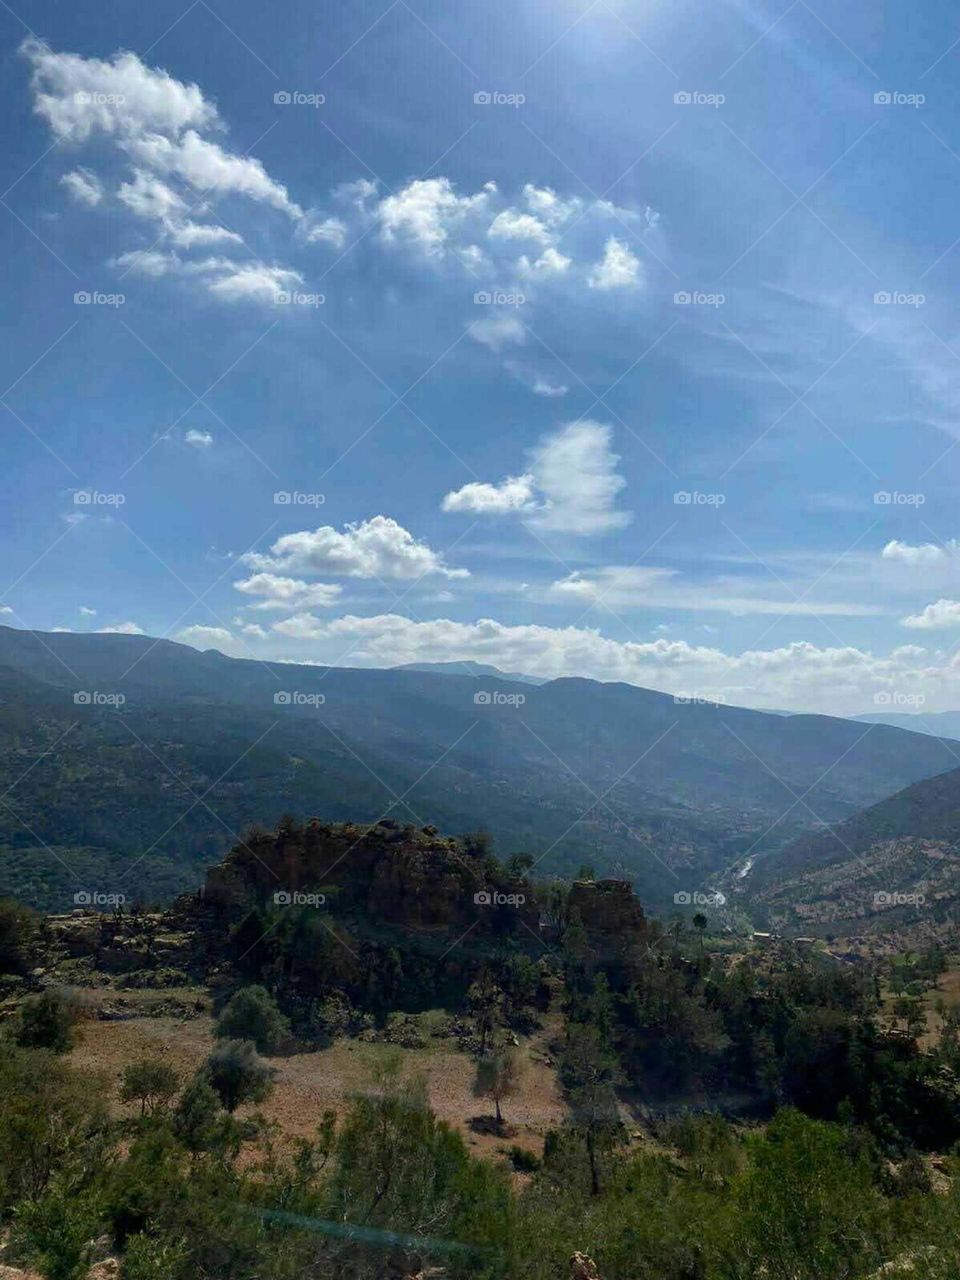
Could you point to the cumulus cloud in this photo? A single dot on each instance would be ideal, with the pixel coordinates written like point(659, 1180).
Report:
point(122, 97)
point(287, 593)
point(935, 617)
point(618, 269)
point(156, 125)
point(83, 186)
point(375, 548)
point(571, 485)
point(198, 439)
point(511, 225)
point(427, 213)
point(513, 494)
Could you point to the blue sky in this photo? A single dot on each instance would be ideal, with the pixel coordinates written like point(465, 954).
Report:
point(615, 339)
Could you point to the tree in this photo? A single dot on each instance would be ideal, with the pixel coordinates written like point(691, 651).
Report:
point(252, 1014)
point(17, 929)
point(151, 1083)
point(700, 924)
point(46, 1021)
point(498, 1076)
point(237, 1073)
point(198, 1119)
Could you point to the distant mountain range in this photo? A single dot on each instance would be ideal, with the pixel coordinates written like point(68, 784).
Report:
point(140, 794)
point(942, 724)
point(469, 668)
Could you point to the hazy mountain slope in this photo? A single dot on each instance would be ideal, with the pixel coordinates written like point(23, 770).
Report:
point(894, 866)
point(570, 771)
point(943, 724)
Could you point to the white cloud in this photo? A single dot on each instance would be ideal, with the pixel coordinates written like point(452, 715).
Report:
point(122, 629)
point(571, 485)
point(550, 263)
point(150, 197)
point(511, 225)
point(288, 593)
point(331, 231)
point(544, 387)
point(86, 612)
point(935, 617)
point(426, 212)
point(498, 330)
point(254, 282)
point(5, 609)
point(618, 269)
point(924, 553)
point(198, 439)
point(513, 494)
point(80, 96)
point(375, 548)
point(207, 638)
point(208, 167)
point(835, 681)
point(190, 235)
point(576, 472)
point(84, 186)
point(632, 587)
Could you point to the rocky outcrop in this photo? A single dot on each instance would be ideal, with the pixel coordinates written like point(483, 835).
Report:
point(607, 907)
point(408, 877)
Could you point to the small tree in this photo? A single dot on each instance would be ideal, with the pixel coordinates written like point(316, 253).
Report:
point(700, 924)
point(198, 1119)
point(498, 1076)
point(46, 1021)
point(237, 1073)
point(252, 1014)
point(149, 1082)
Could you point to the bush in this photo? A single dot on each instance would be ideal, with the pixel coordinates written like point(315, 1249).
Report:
point(237, 1074)
point(252, 1014)
point(46, 1021)
point(149, 1082)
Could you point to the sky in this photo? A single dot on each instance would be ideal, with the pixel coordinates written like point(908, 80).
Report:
point(614, 339)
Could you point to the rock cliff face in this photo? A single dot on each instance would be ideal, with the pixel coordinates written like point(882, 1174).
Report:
point(409, 877)
point(607, 907)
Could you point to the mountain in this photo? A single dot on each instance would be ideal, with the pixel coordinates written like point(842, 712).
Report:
point(469, 668)
point(95, 791)
point(895, 868)
point(942, 724)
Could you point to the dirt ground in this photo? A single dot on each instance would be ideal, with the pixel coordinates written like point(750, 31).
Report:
point(307, 1084)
